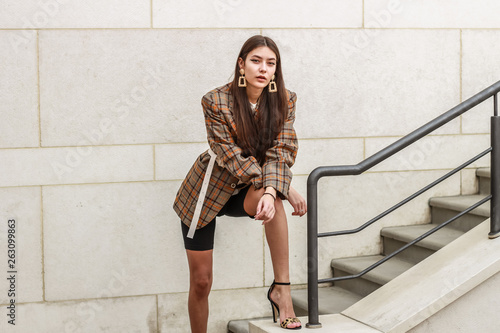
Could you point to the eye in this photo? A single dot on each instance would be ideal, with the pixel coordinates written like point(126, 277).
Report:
point(272, 63)
point(254, 60)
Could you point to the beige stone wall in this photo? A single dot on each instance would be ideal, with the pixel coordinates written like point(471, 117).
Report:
point(100, 119)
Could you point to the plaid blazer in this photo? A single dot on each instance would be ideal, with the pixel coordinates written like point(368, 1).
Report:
point(231, 167)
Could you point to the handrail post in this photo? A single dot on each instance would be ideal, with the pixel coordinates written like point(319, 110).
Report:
point(495, 173)
point(312, 251)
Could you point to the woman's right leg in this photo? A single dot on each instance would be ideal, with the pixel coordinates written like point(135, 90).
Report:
point(200, 283)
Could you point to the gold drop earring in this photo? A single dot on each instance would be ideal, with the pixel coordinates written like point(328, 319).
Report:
point(242, 82)
point(272, 85)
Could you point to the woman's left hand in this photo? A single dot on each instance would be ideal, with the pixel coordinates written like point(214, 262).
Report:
point(297, 201)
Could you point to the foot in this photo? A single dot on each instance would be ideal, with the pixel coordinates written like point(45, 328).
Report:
point(281, 296)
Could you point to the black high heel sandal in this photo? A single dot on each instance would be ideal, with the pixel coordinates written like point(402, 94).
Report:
point(276, 309)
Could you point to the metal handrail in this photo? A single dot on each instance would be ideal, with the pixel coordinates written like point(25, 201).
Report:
point(408, 199)
point(344, 170)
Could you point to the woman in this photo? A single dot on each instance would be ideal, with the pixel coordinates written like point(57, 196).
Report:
point(246, 172)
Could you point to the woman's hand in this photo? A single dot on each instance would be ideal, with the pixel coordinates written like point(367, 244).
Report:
point(297, 201)
point(265, 207)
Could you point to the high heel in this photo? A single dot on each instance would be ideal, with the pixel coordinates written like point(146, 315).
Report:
point(276, 310)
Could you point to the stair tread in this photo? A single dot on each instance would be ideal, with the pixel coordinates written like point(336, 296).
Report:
point(433, 242)
point(331, 299)
point(461, 202)
point(484, 172)
point(241, 325)
point(380, 275)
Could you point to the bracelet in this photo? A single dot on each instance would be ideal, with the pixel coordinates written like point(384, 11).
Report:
point(270, 195)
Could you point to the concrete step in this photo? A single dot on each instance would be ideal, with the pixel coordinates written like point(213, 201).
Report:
point(242, 326)
point(396, 237)
point(451, 275)
point(331, 300)
point(484, 175)
point(335, 323)
point(372, 280)
point(444, 208)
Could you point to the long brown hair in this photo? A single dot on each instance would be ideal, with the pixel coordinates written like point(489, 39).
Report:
point(256, 135)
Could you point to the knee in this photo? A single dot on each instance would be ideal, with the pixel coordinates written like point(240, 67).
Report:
point(278, 204)
point(201, 285)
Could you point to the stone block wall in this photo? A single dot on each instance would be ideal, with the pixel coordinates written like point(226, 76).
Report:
point(100, 119)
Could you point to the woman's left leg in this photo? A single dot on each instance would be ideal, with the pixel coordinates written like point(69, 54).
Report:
point(277, 239)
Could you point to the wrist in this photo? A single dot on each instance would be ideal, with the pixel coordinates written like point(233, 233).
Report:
point(269, 194)
point(271, 190)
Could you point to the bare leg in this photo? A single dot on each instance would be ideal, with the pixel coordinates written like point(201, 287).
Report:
point(277, 239)
point(200, 283)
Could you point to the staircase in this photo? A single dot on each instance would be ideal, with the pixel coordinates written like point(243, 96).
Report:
point(336, 298)
point(343, 294)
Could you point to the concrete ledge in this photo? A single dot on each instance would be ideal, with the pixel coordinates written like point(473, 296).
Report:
point(331, 323)
point(243, 325)
point(431, 285)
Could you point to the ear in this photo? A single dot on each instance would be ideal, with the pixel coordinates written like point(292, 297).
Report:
point(241, 63)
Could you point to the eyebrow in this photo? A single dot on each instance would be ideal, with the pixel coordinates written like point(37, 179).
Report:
point(257, 56)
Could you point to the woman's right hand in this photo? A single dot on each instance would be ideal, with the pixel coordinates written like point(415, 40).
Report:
point(265, 207)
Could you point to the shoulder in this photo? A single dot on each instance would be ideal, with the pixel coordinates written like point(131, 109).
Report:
point(292, 98)
point(291, 95)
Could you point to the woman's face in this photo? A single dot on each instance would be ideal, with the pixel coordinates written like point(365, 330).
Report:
point(259, 66)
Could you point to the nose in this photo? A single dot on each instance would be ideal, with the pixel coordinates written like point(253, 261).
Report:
point(263, 67)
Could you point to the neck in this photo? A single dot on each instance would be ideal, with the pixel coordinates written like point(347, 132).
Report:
point(253, 94)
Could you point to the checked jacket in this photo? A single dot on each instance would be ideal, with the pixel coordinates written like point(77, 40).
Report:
point(231, 168)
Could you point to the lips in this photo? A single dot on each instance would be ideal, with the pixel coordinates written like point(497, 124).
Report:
point(261, 77)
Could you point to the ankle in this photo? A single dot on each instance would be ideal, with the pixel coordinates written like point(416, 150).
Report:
point(281, 288)
point(282, 279)
point(281, 294)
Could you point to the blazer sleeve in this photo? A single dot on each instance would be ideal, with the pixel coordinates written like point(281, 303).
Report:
point(222, 143)
point(281, 156)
